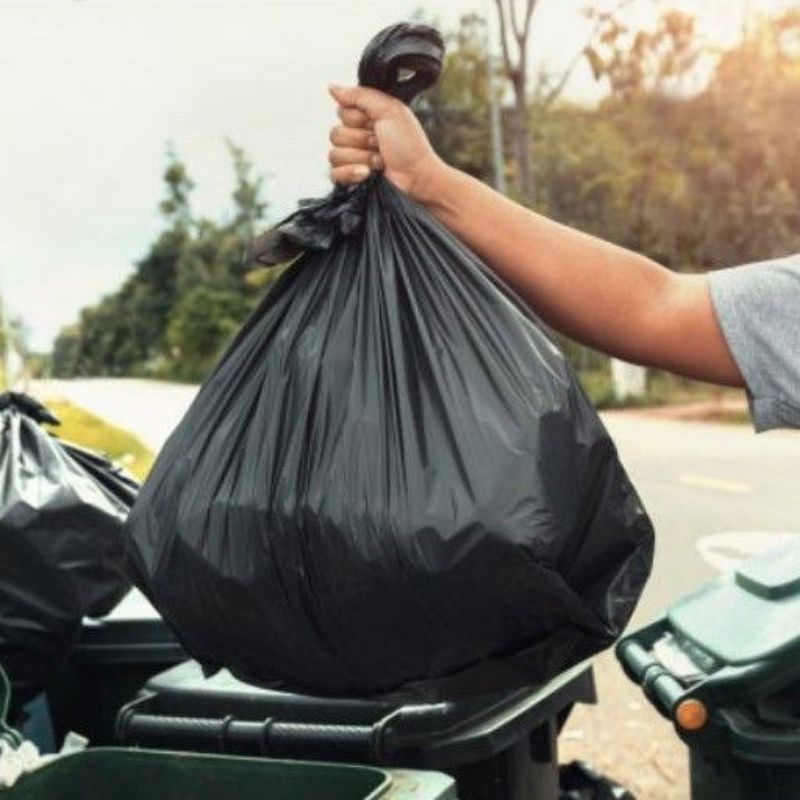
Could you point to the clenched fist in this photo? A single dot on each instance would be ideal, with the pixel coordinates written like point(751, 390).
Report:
point(379, 132)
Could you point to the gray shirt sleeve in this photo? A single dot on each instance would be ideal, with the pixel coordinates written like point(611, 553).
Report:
point(758, 307)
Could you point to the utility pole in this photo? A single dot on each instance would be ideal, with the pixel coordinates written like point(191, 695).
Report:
point(747, 19)
point(5, 347)
point(11, 361)
point(495, 119)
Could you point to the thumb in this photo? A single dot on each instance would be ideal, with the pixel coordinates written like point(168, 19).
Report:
point(373, 103)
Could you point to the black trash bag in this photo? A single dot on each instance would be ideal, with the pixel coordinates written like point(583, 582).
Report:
point(580, 781)
point(392, 478)
point(62, 509)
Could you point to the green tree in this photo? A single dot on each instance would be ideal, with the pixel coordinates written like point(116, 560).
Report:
point(147, 327)
point(250, 207)
point(176, 205)
point(455, 112)
point(203, 322)
point(635, 62)
point(697, 174)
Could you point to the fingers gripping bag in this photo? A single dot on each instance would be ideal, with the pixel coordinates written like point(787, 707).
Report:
point(62, 509)
point(392, 478)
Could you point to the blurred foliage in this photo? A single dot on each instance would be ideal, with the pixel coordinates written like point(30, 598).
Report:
point(696, 180)
point(692, 159)
point(87, 430)
point(637, 62)
point(186, 297)
point(455, 112)
point(203, 318)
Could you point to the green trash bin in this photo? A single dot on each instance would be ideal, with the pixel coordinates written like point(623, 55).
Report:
point(724, 666)
point(502, 746)
point(117, 774)
point(110, 662)
point(129, 774)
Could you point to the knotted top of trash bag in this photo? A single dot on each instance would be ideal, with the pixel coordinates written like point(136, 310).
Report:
point(28, 406)
point(402, 60)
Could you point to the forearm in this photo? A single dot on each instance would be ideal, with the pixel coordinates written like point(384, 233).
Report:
point(591, 290)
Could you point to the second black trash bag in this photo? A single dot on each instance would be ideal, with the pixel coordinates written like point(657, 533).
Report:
point(61, 548)
point(393, 476)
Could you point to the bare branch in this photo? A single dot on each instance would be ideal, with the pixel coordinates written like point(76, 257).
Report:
point(528, 15)
point(556, 90)
point(504, 38)
point(512, 7)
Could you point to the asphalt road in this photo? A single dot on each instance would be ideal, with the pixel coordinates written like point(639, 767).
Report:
point(697, 480)
point(715, 492)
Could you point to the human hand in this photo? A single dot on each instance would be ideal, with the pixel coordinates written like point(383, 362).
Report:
point(380, 132)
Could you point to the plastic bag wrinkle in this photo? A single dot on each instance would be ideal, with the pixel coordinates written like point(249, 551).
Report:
point(392, 478)
point(62, 508)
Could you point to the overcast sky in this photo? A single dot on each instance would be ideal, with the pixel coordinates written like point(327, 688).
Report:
point(91, 91)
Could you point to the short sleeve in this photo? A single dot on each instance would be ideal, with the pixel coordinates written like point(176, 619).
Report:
point(758, 308)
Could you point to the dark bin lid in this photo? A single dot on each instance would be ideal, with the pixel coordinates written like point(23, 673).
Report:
point(133, 633)
point(749, 615)
point(413, 734)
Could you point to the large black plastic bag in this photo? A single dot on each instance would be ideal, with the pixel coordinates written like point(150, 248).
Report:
point(392, 476)
point(61, 547)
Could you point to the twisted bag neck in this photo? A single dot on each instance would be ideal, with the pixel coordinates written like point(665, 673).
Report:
point(402, 60)
point(28, 406)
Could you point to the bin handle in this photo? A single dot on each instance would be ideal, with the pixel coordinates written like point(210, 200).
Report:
point(657, 682)
point(264, 737)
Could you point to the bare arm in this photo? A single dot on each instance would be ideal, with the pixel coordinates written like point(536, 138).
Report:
point(593, 291)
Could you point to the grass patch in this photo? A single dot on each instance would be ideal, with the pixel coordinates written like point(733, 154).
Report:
point(735, 418)
point(88, 430)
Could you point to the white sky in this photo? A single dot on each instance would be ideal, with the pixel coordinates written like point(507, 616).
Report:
point(91, 91)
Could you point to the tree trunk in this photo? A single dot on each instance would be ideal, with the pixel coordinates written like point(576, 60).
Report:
point(522, 145)
point(517, 72)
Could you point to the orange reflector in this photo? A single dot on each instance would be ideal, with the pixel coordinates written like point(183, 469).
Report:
point(691, 714)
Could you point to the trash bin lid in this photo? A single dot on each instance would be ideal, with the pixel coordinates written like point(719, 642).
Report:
point(132, 633)
point(751, 614)
point(411, 734)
